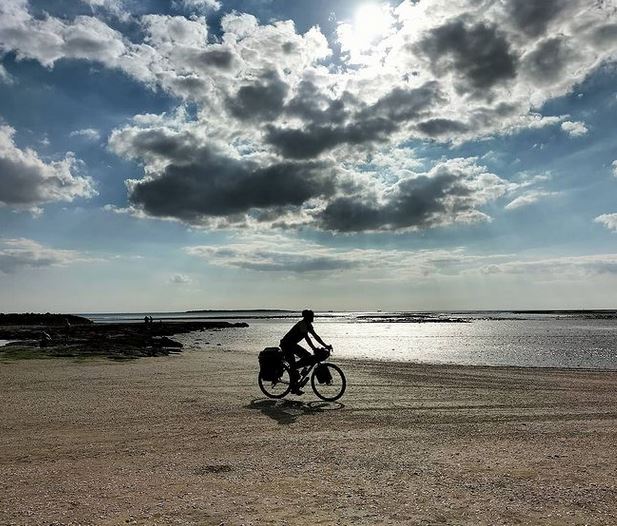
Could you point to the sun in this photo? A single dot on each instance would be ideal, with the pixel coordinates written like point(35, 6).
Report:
point(370, 22)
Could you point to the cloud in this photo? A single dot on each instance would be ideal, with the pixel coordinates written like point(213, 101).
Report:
point(201, 5)
point(559, 267)
point(180, 279)
point(614, 165)
point(116, 7)
point(534, 18)
point(367, 123)
point(478, 55)
point(608, 220)
point(574, 129)
point(89, 134)
point(17, 254)
point(302, 258)
point(5, 77)
point(528, 198)
point(262, 259)
point(489, 67)
point(49, 39)
point(192, 180)
point(163, 31)
point(287, 254)
point(276, 108)
point(27, 181)
point(451, 192)
point(262, 99)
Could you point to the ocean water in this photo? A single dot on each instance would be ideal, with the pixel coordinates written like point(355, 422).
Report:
point(496, 338)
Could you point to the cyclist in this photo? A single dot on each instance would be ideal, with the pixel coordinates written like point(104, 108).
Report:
point(291, 349)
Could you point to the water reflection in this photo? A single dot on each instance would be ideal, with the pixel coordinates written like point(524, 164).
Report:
point(529, 343)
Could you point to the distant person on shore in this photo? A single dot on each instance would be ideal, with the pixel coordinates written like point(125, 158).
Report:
point(67, 328)
point(291, 349)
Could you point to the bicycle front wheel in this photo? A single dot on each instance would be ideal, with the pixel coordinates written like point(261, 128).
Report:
point(277, 388)
point(333, 389)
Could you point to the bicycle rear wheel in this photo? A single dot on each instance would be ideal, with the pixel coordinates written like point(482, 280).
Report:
point(333, 389)
point(278, 388)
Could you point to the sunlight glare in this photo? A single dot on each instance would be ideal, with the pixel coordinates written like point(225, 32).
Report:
point(370, 22)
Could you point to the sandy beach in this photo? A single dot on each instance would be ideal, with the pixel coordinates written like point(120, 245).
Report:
point(190, 439)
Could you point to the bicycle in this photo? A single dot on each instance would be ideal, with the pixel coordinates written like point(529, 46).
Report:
point(329, 390)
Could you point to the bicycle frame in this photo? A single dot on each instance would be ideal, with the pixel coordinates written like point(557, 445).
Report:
point(315, 363)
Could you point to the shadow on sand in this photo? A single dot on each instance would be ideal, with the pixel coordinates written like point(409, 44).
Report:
point(286, 412)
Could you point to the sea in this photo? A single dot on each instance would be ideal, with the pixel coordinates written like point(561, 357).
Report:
point(572, 339)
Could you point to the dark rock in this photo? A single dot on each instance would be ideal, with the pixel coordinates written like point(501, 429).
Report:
point(47, 319)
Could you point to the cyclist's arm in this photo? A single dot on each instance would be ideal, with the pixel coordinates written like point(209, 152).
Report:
point(311, 345)
point(316, 336)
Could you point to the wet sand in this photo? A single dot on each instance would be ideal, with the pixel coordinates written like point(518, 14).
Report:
point(189, 439)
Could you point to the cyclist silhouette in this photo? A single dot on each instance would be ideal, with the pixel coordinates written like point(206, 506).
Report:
point(291, 349)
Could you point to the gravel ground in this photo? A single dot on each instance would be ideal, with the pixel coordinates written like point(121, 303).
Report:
point(189, 439)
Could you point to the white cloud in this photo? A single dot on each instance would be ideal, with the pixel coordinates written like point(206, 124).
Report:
point(574, 129)
point(565, 267)
point(297, 257)
point(201, 5)
point(27, 181)
point(614, 165)
point(89, 134)
point(608, 220)
point(49, 39)
point(5, 77)
point(528, 198)
point(164, 32)
point(17, 254)
point(115, 7)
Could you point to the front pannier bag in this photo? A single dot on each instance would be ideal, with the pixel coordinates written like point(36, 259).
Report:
point(271, 364)
point(322, 373)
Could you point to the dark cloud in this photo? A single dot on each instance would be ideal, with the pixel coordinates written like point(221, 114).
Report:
point(533, 17)
point(155, 142)
point(212, 184)
point(401, 105)
point(478, 54)
point(414, 204)
point(372, 123)
point(605, 36)
point(547, 62)
point(449, 193)
point(217, 58)
point(312, 105)
point(288, 47)
point(437, 127)
point(315, 139)
point(263, 99)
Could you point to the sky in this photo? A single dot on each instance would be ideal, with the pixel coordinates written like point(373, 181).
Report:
point(342, 154)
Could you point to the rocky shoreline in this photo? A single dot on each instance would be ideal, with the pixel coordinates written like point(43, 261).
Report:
point(77, 338)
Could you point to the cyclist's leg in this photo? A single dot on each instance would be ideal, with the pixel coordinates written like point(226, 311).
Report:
point(306, 358)
point(289, 356)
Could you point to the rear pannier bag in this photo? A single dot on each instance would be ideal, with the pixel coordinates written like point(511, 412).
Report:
point(271, 364)
point(322, 373)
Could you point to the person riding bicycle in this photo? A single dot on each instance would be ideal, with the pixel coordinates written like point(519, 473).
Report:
point(291, 349)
